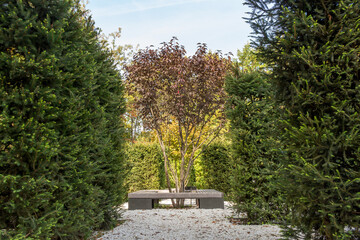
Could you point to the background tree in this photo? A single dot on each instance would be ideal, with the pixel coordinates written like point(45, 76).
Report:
point(313, 48)
point(171, 88)
point(123, 55)
point(248, 62)
point(60, 127)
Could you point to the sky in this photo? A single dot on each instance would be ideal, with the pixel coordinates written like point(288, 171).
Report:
point(218, 23)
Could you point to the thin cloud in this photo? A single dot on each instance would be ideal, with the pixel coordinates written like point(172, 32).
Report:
point(141, 6)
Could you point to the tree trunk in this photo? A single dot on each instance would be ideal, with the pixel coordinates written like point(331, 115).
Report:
point(163, 149)
point(181, 202)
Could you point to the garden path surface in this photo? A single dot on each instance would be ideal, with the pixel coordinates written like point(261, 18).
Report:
point(188, 223)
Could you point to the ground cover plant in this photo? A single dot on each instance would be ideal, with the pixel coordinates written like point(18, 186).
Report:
point(60, 126)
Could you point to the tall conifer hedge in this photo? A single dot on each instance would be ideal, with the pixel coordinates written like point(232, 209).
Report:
point(313, 48)
point(60, 129)
point(252, 116)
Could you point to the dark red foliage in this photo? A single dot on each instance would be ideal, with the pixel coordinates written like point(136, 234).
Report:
point(166, 82)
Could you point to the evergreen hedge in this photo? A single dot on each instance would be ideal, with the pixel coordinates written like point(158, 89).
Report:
point(146, 167)
point(60, 130)
point(252, 116)
point(214, 168)
point(313, 48)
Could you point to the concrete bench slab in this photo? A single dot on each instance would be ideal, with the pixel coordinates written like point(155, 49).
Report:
point(145, 199)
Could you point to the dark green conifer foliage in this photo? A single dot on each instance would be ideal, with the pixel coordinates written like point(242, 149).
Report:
point(252, 117)
point(313, 48)
point(60, 129)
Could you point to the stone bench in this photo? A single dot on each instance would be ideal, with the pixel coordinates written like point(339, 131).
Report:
point(145, 199)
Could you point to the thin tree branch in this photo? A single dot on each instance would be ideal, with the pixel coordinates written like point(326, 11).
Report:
point(192, 158)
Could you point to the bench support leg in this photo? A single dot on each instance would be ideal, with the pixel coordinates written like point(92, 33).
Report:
point(140, 203)
point(210, 203)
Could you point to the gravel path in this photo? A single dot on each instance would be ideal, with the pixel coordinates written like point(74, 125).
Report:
point(186, 224)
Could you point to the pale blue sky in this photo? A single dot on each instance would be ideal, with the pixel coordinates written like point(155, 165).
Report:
point(218, 23)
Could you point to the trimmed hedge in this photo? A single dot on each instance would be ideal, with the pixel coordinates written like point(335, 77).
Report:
point(61, 99)
point(145, 166)
point(214, 168)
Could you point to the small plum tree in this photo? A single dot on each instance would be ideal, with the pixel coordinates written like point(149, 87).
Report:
point(170, 89)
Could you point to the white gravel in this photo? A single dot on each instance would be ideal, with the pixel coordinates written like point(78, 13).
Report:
point(187, 224)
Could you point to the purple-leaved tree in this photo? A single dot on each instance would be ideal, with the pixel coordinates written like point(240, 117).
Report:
point(172, 89)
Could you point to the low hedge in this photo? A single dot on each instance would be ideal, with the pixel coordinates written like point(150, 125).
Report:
point(213, 169)
point(145, 164)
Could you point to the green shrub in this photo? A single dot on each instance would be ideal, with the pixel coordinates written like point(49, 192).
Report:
point(60, 130)
point(146, 167)
point(313, 48)
point(213, 170)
